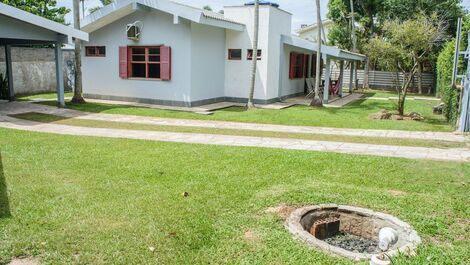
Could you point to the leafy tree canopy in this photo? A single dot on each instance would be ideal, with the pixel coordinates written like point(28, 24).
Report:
point(43, 8)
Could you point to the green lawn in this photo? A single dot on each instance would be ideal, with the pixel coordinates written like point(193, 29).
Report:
point(45, 95)
point(47, 118)
point(87, 200)
point(354, 115)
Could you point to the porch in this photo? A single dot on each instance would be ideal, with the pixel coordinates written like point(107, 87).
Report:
point(331, 89)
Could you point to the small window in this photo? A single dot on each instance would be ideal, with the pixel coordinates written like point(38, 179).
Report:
point(234, 54)
point(95, 51)
point(250, 54)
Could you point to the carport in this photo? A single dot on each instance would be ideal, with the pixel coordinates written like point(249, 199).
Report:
point(18, 27)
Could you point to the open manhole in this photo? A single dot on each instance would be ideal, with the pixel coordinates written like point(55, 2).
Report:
point(349, 231)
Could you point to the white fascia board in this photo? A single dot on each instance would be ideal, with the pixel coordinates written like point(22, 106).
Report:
point(121, 8)
point(107, 15)
point(27, 17)
point(221, 24)
point(330, 51)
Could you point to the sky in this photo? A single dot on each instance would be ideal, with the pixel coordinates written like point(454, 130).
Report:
point(303, 11)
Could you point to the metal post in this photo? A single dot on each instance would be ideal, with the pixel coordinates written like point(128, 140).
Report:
point(456, 52)
point(9, 69)
point(59, 74)
point(326, 87)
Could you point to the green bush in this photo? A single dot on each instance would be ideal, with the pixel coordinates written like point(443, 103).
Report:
point(449, 96)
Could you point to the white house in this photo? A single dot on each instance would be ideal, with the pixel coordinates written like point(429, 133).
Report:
point(309, 32)
point(185, 56)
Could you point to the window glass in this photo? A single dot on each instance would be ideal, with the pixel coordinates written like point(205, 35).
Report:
point(234, 54)
point(138, 70)
point(250, 54)
point(154, 70)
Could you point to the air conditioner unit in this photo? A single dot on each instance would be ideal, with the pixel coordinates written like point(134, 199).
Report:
point(133, 30)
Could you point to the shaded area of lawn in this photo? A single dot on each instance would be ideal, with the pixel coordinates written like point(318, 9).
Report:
point(4, 203)
point(354, 115)
point(45, 95)
point(48, 118)
point(88, 200)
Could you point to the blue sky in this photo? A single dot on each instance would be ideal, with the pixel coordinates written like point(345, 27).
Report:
point(303, 10)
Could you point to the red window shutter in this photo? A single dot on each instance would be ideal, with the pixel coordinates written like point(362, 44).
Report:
point(292, 62)
point(165, 63)
point(123, 62)
point(306, 64)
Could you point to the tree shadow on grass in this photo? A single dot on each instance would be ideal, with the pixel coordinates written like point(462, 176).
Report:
point(4, 203)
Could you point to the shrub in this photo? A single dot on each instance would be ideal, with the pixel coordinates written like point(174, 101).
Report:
point(449, 96)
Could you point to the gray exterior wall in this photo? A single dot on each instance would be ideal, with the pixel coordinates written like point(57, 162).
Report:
point(197, 61)
point(34, 69)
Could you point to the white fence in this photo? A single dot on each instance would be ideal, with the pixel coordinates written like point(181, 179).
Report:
point(388, 80)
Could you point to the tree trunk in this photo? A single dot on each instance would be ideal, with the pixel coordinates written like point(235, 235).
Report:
point(420, 78)
point(366, 74)
point(254, 58)
point(77, 93)
point(317, 101)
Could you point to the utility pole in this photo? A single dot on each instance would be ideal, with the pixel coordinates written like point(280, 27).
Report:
point(316, 99)
point(354, 41)
point(77, 93)
point(254, 57)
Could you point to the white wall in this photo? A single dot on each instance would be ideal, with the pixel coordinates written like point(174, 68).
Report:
point(291, 86)
point(274, 22)
point(311, 34)
point(101, 74)
point(207, 62)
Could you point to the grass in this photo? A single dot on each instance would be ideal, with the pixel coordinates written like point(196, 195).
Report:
point(88, 200)
point(45, 95)
point(48, 118)
point(354, 115)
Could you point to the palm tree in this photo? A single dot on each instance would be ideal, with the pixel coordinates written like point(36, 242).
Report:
point(254, 57)
point(317, 101)
point(77, 93)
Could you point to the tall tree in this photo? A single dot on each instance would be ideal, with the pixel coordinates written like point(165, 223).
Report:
point(43, 8)
point(254, 57)
point(77, 93)
point(317, 101)
point(401, 47)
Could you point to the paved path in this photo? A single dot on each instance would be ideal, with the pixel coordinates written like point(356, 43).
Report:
point(21, 107)
point(454, 154)
point(213, 139)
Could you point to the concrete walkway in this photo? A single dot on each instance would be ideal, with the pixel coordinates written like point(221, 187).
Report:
point(212, 139)
point(22, 107)
point(454, 154)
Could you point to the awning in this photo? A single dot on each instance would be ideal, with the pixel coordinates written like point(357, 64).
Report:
point(330, 51)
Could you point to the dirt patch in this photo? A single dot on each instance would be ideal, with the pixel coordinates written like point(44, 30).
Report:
point(283, 210)
point(24, 261)
point(397, 193)
point(387, 115)
point(251, 236)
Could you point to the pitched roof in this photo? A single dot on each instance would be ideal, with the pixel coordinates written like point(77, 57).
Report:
point(38, 21)
point(121, 8)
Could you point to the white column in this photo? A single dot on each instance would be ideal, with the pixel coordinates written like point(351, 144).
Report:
point(9, 69)
point(351, 77)
point(341, 74)
point(326, 87)
point(59, 74)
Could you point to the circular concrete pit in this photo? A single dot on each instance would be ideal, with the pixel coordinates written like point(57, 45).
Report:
point(355, 229)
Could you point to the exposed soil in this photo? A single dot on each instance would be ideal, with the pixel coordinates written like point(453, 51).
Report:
point(24, 261)
point(283, 210)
